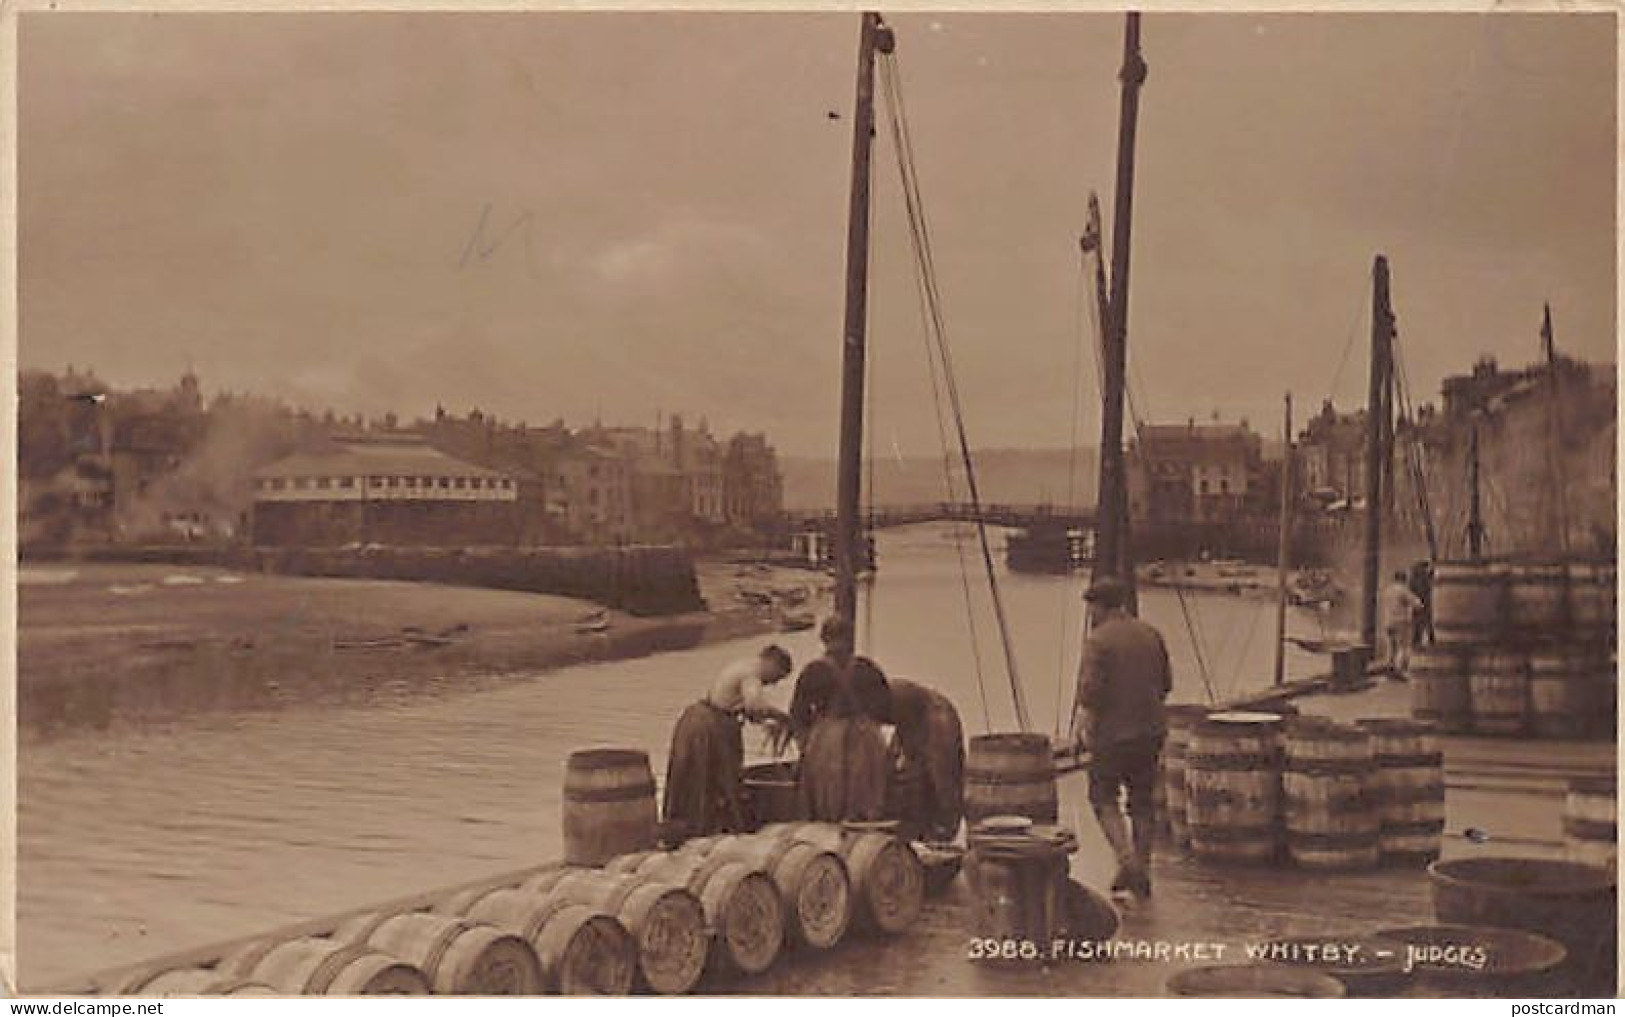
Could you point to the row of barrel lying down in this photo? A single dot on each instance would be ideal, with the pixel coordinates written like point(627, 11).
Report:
point(654, 921)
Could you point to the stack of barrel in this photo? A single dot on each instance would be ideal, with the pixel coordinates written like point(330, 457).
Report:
point(1520, 650)
point(1258, 789)
point(1022, 893)
point(616, 916)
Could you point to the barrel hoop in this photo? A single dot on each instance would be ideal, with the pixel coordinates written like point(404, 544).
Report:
point(539, 918)
point(1354, 801)
point(245, 963)
point(363, 934)
point(628, 793)
point(1006, 778)
point(1590, 829)
point(1417, 759)
point(1231, 761)
point(443, 944)
point(327, 972)
point(1413, 795)
point(1329, 767)
point(1232, 834)
point(1433, 827)
point(1362, 839)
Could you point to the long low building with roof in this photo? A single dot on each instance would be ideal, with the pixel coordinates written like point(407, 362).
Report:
point(393, 489)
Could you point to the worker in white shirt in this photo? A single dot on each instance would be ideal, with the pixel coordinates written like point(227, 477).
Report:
point(708, 751)
point(1400, 608)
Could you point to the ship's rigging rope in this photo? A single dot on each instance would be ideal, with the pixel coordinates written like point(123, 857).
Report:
point(1192, 623)
point(1085, 314)
point(925, 264)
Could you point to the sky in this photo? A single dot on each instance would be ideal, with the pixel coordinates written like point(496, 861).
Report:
point(610, 216)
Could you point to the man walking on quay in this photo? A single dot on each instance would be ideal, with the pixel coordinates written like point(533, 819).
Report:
point(1123, 682)
point(1400, 609)
point(708, 750)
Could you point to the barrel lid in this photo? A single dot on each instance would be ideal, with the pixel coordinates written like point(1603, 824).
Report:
point(1005, 824)
point(592, 759)
point(1244, 717)
point(1393, 726)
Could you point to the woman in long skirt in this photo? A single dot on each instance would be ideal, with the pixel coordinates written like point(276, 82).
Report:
point(708, 751)
point(840, 702)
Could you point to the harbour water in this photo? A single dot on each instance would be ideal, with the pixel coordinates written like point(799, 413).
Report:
point(137, 843)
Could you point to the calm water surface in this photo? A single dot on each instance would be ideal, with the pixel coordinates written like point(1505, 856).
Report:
point(138, 843)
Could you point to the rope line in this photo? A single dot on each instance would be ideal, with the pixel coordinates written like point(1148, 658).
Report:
point(920, 238)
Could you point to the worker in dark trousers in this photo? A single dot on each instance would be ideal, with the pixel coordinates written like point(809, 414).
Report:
point(928, 757)
point(1422, 585)
point(1123, 681)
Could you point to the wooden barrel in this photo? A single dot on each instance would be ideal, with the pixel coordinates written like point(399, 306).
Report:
point(1477, 961)
point(1408, 789)
point(741, 906)
point(578, 950)
point(772, 793)
point(1590, 821)
point(1365, 965)
point(1331, 819)
point(1592, 615)
point(1499, 687)
point(1563, 692)
point(1254, 981)
point(666, 921)
point(326, 967)
point(1233, 776)
point(1019, 889)
point(1181, 718)
point(888, 881)
point(1010, 775)
point(1469, 602)
point(609, 805)
point(813, 886)
point(189, 982)
point(459, 957)
point(1572, 903)
point(1440, 693)
point(1537, 599)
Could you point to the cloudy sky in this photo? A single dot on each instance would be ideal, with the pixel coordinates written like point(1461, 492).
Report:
point(578, 215)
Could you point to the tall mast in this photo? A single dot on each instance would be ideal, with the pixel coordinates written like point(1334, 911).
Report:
point(1475, 518)
point(1382, 336)
point(849, 545)
point(1283, 549)
point(1112, 554)
point(1554, 426)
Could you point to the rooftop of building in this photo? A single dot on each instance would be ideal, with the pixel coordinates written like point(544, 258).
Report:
point(378, 455)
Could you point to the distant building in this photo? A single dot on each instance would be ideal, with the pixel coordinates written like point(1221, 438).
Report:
point(1331, 456)
point(1546, 459)
point(387, 490)
point(595, 493)
point(1192, 472)
point(752, 486)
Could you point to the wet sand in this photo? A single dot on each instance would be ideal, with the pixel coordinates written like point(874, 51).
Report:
point(116, 646)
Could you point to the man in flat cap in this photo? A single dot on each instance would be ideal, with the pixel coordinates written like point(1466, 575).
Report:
point(1123, 680)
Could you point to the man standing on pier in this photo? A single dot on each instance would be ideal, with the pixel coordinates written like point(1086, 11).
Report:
point(708, 750)
point(1400, 609)
point(1123, 682)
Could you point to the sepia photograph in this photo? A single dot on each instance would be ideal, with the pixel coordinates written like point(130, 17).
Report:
point(808, 503)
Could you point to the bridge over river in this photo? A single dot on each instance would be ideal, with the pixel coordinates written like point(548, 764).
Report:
point(1020, 516)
